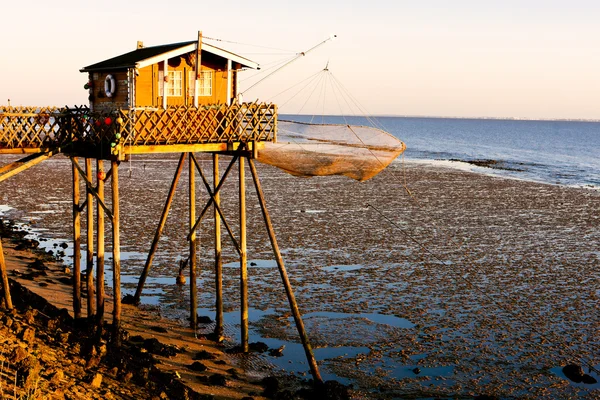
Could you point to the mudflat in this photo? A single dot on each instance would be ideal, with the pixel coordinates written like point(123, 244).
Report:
point(433, 281)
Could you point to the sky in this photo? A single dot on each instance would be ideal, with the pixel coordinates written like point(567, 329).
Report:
point(461, 58)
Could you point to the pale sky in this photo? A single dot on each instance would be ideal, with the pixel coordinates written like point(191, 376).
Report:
point(527, 58)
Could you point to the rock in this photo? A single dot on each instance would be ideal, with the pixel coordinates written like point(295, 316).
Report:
point(332, 390)
point(92, 362)
point(57, 377)
point(159, 329)
point(573, 372)
point(203, 319)
point(29, 316)
point(18, 355)
point(588, 379)
point(64, 245)
point(129, 299)
point(28, 334)
point(277, 352)
point(416, 370)
point(217, 379)
point(197, 366)
point(258, 347)
point(28, 373)
point(96, 380)
point(204, 355)
point(271, 385)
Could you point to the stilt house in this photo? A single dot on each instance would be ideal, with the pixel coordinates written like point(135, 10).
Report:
point(164, 76)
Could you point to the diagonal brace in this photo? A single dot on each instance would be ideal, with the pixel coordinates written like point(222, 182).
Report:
point(216, 204)
point(92, 190)
point(23, 164)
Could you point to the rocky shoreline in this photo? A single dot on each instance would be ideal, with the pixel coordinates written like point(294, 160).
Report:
point(47, 354)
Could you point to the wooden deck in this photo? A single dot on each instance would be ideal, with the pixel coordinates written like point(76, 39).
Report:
point(80, 132)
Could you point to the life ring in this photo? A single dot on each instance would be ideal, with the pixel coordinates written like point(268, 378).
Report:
point(110, 85)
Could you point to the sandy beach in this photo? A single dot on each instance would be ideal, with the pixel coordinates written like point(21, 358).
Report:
point(490, 284)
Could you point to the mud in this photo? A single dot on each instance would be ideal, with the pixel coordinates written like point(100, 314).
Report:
point(490, 284)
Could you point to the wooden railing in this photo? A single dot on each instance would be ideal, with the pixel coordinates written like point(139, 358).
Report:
point(23, 128)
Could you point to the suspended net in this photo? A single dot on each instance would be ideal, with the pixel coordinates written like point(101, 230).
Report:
point(358, 152)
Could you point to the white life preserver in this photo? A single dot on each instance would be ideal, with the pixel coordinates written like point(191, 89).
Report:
point(110, 86)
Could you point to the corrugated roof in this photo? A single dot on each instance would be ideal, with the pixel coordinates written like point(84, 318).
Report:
point(133, 58)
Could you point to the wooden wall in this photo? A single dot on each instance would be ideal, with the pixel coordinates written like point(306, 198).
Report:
point(148, 88)
point(99, 102)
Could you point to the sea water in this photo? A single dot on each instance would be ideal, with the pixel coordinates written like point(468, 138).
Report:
point(557, 152)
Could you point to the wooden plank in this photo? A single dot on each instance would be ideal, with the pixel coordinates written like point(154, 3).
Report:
point(192, 239)
point(89, 259)
point(5, 285)
point(26, 165)
point(243, 259)
point(76, 243)
point(219, 318)
point(100, 244)
point(116, 255)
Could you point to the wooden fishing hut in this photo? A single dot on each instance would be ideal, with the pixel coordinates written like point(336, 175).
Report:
point(174, 98)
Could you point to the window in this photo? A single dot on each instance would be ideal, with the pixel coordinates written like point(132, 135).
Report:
point(204, 83)
point(175, 84)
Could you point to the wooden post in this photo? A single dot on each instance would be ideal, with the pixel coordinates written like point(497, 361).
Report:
point(5, 284)
point(243, 259)
point(76, 244)
point(193, 288)
point(198, 67)
point(218, 259)
point(100, 238)
point(286, 282)
point(116, 254)
point(89, 260)
point(161, 225)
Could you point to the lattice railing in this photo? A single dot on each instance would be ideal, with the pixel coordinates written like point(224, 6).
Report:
point(51, 127)
point(211, 124)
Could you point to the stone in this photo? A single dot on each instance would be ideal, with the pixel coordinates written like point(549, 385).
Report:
point(96, 380)
point(57, 377)
point(197, 366)
point(18, 355)
point(573, 372)
point(28, 335)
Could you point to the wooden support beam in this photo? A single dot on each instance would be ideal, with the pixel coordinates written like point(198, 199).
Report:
point(96, 191)
point(243, 259)
point(217, 190)
point(5, 284)
point(13, 169)
point(76, 242)
point(310, 357)
point(217, 206)
point(100, 242)
point(193, 288)
point(89, 259)
point(159, 229)
point(116, 255)
point(219, 320)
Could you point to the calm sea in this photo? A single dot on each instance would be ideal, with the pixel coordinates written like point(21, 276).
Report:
point(558, 152)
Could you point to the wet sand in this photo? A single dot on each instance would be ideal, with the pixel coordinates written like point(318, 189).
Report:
point(493, 282)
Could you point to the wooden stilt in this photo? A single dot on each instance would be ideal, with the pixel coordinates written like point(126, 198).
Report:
point(286, 282)
point(89, 259)
point(218, 259)
point(76, 244)
point(5, 284)
point(100, 238)
point(193, 288)
point(243, 259)
point(116, 254)
point(159, 229)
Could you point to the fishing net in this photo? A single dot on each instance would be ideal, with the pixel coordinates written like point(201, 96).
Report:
point(358, 152)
